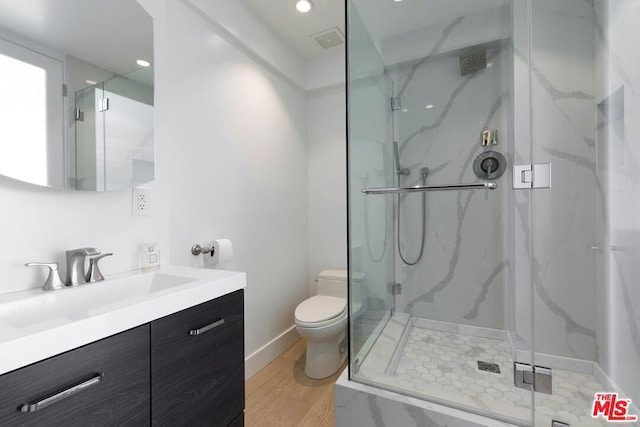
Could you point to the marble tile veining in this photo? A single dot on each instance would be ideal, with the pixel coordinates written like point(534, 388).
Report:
point(440, 365)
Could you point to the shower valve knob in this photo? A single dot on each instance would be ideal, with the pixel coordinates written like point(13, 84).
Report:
point(489, 165)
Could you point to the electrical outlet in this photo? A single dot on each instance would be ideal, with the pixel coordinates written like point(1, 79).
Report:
point(141, 202)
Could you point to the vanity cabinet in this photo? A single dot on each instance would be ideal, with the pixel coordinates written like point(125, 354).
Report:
point(103, 383)
point(185, 369)
point(197, 365)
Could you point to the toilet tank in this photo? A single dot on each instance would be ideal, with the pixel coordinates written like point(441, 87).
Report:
point(334, 282)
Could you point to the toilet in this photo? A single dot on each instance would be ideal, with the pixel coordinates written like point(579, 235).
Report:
point(322, 320)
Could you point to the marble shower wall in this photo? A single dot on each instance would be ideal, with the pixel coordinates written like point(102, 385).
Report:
point(464, 274)
point(485, 251)
point(565, 217)
point(618, 169)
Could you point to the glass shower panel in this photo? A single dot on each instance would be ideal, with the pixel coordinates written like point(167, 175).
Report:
point(89, 173)
point(458, 260)
point(370, 165)
point(586, 226)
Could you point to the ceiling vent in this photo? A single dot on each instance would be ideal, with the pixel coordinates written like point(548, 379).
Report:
point(329, 38)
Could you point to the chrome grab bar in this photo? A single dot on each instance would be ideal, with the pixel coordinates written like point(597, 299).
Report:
point(426, 188)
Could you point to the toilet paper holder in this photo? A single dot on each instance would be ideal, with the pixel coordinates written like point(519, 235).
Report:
point(197, 250)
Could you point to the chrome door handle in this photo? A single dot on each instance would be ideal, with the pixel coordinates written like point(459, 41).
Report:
point(200, 331)
point(51, 399)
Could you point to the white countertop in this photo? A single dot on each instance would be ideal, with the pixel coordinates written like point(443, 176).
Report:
point(35, 325)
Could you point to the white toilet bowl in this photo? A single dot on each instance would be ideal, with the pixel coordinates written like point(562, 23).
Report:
point(322, 320)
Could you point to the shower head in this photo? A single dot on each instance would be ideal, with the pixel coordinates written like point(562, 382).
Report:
point(473, 61)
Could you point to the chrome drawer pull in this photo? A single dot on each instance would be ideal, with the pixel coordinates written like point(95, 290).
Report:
point(50, 400)
point(207, 328)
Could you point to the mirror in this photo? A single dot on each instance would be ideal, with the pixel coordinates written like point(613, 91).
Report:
point(76, 93)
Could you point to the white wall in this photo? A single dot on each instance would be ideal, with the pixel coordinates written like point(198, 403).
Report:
point(246, 32)
point(39, 224)
point(326, 112)
point(327, 163)
point(236, 135)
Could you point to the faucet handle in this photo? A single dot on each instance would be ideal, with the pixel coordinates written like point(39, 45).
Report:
point(94, 274)
point(53, 281)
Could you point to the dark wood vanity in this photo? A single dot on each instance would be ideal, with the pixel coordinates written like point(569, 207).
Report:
point(185, 369)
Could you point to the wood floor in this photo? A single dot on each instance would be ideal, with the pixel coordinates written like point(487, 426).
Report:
point(281, 395)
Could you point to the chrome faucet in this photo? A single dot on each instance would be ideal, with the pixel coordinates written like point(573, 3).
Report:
point(75, 265)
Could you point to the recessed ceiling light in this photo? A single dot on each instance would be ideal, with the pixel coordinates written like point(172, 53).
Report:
point(304, 6)
point(405, 110)
point(428, 107)
point(397, 1)
point(92, 82)
point(143, 63)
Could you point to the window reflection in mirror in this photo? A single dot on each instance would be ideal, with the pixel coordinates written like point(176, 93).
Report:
point(31, 108)
point(76, 109)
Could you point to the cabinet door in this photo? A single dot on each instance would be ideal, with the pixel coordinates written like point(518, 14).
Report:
point(197, 364)
point(105, 383)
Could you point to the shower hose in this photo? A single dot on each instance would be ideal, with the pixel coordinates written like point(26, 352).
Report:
point(424, 226)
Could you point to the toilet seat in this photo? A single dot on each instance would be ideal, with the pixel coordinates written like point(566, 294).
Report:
point(320, 310)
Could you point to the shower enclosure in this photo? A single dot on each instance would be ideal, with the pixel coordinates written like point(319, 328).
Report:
point(494, 204)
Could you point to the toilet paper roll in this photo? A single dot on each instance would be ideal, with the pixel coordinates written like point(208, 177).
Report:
point(222, 252)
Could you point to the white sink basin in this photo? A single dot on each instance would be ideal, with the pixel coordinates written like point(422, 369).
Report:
point(35, 324)
point(85, 300)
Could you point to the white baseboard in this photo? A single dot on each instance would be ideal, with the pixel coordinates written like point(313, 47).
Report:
point(260, 358)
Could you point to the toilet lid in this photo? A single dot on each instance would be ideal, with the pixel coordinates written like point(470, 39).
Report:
point(320, 308)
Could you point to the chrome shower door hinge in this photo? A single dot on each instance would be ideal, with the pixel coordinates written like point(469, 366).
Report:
point(532, 176)
point(396, 104)
point(534, 378)
point(103, 104)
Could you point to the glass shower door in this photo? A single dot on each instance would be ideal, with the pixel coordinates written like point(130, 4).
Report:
point(370, 219)
point(585, 227)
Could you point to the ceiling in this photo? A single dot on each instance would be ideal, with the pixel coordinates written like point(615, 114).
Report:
point(386, 18)
point(111, 34)
point(383, 18)
point(296, 29)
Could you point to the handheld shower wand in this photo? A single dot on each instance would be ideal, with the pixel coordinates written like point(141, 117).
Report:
point(396, 155)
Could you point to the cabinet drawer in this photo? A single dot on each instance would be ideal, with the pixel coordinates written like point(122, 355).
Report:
point(105, 383)
point(197, 364)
